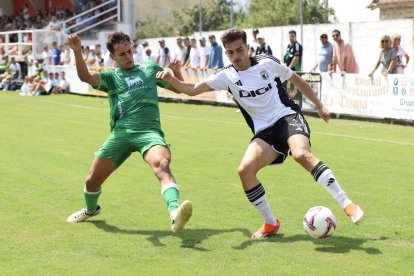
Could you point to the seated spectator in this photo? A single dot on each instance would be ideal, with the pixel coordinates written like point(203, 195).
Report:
point(25, 89)
point(387, 57)
point(15, 69)
point(63, 85)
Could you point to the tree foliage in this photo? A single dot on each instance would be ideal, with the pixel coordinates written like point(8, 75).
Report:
point(216, 16)
point(286, 12)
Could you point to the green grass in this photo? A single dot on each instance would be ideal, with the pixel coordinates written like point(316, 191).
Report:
point(47, 145)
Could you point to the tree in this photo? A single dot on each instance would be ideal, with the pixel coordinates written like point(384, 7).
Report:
point(215, 16)
point(285, 12)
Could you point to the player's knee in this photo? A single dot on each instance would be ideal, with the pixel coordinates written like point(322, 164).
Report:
point(301, 156)
point(161, 166)
point(245, 170)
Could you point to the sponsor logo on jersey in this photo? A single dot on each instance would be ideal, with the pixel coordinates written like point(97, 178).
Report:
point(395, 90)
point(254, 93)
point(131, 81)
point(395, 81)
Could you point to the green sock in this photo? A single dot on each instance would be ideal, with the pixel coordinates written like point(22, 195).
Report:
point(171, 196)
point(91, 199)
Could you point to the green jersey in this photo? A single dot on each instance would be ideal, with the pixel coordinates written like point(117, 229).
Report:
point(133, 97)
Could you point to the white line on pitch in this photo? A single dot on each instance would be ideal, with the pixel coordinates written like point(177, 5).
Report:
point(240, 123)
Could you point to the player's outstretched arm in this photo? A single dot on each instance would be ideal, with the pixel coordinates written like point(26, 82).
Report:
point(306, 90)
point(184, 87)
point(84, 75)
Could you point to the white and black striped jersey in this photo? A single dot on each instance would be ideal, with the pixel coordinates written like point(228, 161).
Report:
point(258, 90)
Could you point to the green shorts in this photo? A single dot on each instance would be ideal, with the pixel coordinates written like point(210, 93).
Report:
point(120, 144)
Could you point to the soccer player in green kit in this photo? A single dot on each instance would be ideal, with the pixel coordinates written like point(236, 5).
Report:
point(135, 126)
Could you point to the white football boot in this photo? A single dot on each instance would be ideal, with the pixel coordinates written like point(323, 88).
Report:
point(181, 216)
point(82, 215)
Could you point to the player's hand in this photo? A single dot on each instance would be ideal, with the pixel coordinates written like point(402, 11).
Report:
point(163, 75)
point(324, 113)
point(175, 65)
point(74, 42)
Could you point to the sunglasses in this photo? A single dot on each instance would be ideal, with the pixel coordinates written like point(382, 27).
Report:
point(335, 35)
point(383, 41)
point(324, 37)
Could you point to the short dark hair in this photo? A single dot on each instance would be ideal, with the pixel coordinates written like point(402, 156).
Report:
point(336, 31)
point(232, 35)
point(292, 32)
point(116, 38)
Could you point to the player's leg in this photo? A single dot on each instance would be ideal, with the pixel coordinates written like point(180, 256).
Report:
point(100, 170)
point(258, 155)
point(159, 158)
point(110, 156)
point(301, 152)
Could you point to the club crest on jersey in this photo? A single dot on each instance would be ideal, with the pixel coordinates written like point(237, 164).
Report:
point(264, 74)
point(133, 81)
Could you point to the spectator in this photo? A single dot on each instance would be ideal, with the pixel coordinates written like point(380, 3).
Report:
point(324, 55)
point(25, 89)
point(56, 52)
point(65, 54)
point(194, 60)
point(387, 57)
point(216, 55)
point(149, 56)
point(205, 51)
point(293, 55)
point(54, 24)
point(62, 86)
point(15, 69)
point(255, 44)
point(263, 47)
point(164, 56)
point(89, 55)
point(180, 49)
point(187, 44)
point(400, 53)
point(343, 55)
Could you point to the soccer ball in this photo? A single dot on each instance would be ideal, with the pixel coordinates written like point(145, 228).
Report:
point(319, 222)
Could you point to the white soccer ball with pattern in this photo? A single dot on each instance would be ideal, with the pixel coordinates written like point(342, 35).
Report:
point(319, 222)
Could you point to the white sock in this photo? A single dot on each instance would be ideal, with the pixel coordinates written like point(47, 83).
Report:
point(326, 179)
point(258, 198)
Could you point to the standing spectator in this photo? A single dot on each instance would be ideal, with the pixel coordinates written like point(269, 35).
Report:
point(343, 55)
point(255, 44)
point(164, 56)
point(54, 24)
point(194, 60)
point(180, 49)
point(149, 56)
point(400, 53)
point(387, 57)
point(186, 56)
point(324, 55)
point(56, 53)
point(46, 56)
point(65, 54)
point(293, 56)
point(216, 54)
point(205, 51)
point(263, 47)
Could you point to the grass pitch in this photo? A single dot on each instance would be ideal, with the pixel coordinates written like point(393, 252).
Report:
point(47, 145)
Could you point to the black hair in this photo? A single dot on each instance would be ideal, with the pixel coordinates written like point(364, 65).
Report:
point(116, 38)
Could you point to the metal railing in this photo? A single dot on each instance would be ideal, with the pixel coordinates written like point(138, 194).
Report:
point(86, 20)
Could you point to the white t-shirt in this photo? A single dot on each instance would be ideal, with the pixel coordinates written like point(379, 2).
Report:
point(204, 52)
point(258, 90)
point(164, 57)
point(194, 57)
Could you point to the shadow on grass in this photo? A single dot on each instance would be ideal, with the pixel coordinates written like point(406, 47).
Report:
point(191, 238)
point(333, 244)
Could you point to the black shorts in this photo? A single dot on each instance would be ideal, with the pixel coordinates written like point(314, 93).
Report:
point(278, 134)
